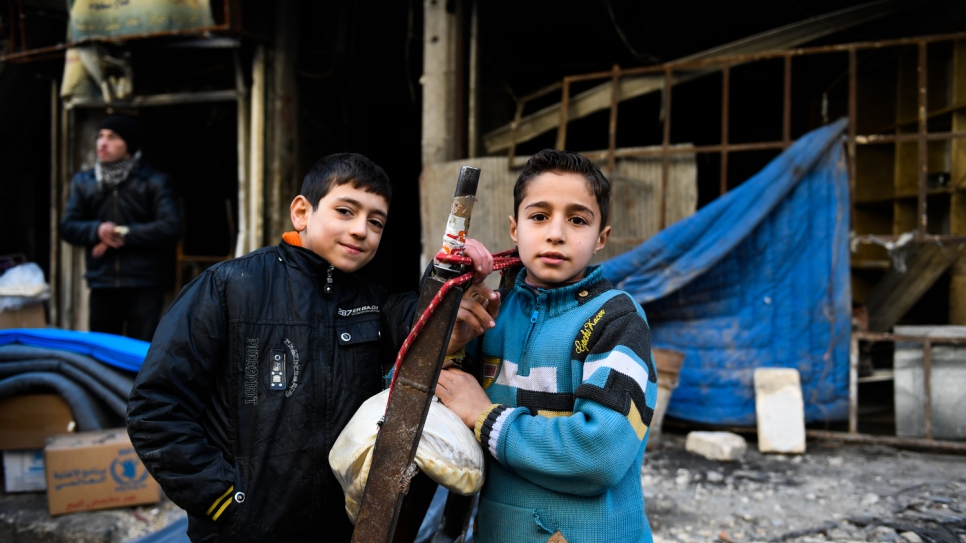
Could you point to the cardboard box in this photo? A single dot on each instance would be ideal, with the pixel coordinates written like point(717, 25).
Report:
point(29, 316)
point(27, 420)
point(24, 471)
point(96, 470)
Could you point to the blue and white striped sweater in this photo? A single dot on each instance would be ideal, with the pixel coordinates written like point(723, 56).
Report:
point(570, 374)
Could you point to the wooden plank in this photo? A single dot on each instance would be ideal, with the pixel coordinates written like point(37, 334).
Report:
point(392, 464)
point(898, 291)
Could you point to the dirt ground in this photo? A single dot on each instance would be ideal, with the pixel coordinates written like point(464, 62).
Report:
point(834, 492)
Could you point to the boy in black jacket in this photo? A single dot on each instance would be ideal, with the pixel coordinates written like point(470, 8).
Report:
point(260, 362)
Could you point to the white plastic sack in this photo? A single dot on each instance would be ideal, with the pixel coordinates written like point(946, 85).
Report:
point(448, 451)
point(21, 285)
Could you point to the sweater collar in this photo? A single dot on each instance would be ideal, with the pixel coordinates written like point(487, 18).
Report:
point(563, 298)
point(293, 254)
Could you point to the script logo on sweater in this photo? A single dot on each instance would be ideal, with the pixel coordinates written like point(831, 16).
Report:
point(581, 344)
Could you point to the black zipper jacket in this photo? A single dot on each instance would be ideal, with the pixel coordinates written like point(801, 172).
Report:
point(146, 204)
point(252, 374)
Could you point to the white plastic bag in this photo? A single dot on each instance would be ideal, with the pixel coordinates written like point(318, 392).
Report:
point(22, 285)
point(448, 451)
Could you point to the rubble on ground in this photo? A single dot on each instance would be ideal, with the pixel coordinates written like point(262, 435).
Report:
point(835, 492)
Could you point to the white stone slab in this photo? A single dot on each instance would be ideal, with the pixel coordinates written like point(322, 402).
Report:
point(724, 446)
point(780, 410)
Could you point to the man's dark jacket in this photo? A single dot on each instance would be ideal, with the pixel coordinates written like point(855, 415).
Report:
point(247, 455)
point(146, 204)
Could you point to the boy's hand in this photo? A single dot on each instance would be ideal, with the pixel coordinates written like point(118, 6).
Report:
point(478, 309)
point(460, 392)
point(482, 259)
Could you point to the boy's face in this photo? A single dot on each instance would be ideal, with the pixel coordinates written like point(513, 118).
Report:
point(557, 228)
point(345, 228)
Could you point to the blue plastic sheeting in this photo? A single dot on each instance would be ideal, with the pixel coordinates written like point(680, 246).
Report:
point(758, 278)
point(118, 351)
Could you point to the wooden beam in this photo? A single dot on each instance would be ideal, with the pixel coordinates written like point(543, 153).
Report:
point(599, 97)
point(898, 291)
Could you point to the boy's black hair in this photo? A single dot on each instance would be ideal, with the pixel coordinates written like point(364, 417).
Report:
point(552, 160)
point(342, 168)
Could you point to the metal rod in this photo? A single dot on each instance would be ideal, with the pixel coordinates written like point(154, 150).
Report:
point(198, 32)
point(885, 336)
point(725, 114)
point(766, 55)
point(853, 118)
point(23, 25)
point(854, 384)
point(512, 151)
point(473, 115)
point(11, 39)
point(564, 112)
point(891, 138)
point(923, 144)
point(612, 127)
point(666, 165)
point(787, 103)
point(458, 222)
point(55, 191)
point(946, 446)
point(927, 384)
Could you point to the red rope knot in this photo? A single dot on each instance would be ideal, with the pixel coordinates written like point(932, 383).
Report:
point(501, 262)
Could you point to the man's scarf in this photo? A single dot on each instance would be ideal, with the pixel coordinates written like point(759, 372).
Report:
point(110, 175)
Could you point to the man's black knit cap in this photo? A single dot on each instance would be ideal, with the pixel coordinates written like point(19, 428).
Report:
point(124, 126)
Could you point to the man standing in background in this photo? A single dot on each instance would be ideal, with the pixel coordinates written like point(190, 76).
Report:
point(124, 213)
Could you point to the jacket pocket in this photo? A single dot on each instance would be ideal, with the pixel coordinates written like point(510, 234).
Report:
point(360, 357)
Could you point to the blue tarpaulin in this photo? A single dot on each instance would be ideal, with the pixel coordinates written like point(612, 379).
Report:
point(758, 278)
point(121, 352)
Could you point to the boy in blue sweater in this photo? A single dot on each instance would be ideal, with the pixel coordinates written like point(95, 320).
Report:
point(569, 387)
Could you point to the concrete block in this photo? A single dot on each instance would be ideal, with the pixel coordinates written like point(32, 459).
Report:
point(780, 410)
point(724, 446)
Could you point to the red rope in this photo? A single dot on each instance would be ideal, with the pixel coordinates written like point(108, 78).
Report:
point(501, 261)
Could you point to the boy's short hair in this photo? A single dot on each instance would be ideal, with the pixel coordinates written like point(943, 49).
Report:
point(341, 168)
point(552, 160)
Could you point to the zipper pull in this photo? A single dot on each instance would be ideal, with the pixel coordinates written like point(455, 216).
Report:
point(533, 318)
point(328, 280)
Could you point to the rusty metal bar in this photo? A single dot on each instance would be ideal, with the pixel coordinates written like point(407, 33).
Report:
point(725, 128)
point(512, 151)
point(885, 336)
point(564, 112)
point(666, 144)
point(392, 466)
point(32, 54)
point(927, 384)
point(787, 104)
point(612, 128)
point(892, 138)
point(854, 384)
point(766, 55)
point(933, 444)
point(853, 119)
point(923, 145)
point(22, 24)
point(11, 39)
